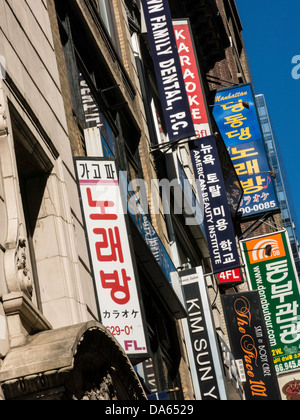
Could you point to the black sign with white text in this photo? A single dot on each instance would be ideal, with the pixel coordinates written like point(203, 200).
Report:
point(173, 95)
point(204, 348)
point(217, 216)
point(250, 343)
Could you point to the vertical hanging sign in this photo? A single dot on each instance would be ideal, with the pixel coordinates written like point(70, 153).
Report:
point(237, 118)
point(249, 342)
point(204, 351)
point(218, 222)
point(168, 71)
point(271, 270)
point(110, 253)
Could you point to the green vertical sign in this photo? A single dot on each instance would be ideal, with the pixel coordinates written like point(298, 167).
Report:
point(271, 271)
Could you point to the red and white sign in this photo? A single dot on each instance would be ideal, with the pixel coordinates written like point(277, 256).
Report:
point(192, 78)
point(110, 253)
point(232, 277)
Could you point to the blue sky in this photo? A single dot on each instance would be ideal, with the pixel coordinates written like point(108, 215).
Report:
point(271, 35)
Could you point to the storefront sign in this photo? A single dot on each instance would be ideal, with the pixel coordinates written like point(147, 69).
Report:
point(208, 374)
point(192, 77)
point(166, 62)
point(218, 222)
point(237, 118)
point(230, 278)
point(271, 271)
point(238, 124)
point(249, 342)
point(110, 253)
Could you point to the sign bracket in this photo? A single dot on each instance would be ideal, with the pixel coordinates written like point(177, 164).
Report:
point(254, 226)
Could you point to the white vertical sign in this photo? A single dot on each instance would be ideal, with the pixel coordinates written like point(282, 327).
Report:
point(200, 334)
point(110, 253)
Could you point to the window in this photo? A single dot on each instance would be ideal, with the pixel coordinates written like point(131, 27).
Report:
point(33, 170)
point(281, 196)
point(285, 214)
point(105, 10)
point(88, 104)
point(262, 111)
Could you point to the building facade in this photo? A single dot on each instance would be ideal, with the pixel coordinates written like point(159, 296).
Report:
point(48, 305)
point(282, 187)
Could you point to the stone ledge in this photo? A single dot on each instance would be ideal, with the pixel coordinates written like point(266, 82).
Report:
point(23, 318)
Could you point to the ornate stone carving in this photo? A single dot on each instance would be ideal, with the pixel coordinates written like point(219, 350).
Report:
point(24, 279)
point(104, 392)
point(3, 118)
point(15, 258)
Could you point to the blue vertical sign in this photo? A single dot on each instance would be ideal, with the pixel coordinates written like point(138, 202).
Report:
point(236, 116)
point(218, 222)
point(173, 95)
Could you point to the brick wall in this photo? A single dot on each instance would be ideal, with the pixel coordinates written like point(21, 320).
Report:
point(146, 159)
point(75, 135)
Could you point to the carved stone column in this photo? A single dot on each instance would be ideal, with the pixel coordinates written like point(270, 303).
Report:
point(23, 317)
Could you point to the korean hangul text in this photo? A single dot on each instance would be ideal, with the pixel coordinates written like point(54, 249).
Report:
point(208, 158)
point(235, 121)
point(243, 134)
point(222, 225)
point(254, 185)
point(235, 107)
point(251, 167)
point(229, 259)
point(215, 191)
point(110, 173)
point(281, 291)
point(85, 174)
point(101, 206)
point(219, 211)
point(226, 245)
point(242, 154)
point(287, 313)
point(110, 241)
point(290, 333)
point(212, 179)
point(120, 293)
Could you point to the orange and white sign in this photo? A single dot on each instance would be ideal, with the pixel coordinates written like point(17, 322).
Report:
point(264, 249)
